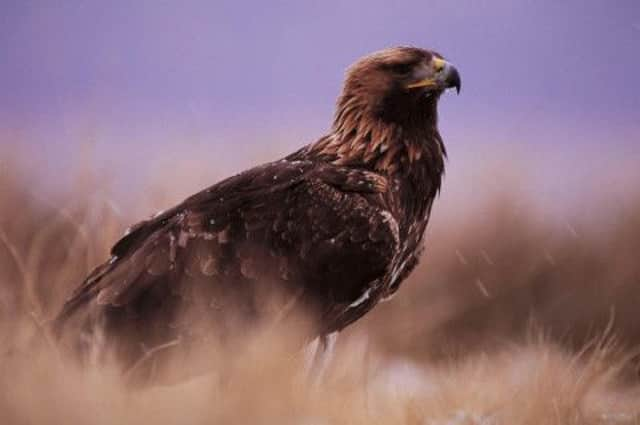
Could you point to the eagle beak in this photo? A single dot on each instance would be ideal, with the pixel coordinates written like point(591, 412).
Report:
point(446, 76)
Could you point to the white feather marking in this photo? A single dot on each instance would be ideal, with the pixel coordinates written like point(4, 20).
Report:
point(388, 297)
point(396, 272)
point(208, 266)
point(183, 238)
point(362, 298)
point(387, 217)
point(172, 249)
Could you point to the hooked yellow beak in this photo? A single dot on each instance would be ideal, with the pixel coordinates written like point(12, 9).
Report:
point(444, 76)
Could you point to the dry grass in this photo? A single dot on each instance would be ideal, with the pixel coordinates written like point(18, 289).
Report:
point(460, 344)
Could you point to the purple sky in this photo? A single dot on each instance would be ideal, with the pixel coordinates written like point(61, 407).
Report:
point(246, 81)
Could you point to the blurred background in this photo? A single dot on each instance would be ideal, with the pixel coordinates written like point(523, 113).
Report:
point(550, 93)
point(110, 111)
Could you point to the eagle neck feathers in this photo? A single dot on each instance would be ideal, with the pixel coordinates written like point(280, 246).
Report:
point(407, 150)
point(367, 138)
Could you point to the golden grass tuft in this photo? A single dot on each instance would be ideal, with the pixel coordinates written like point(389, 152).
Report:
point(508, 320)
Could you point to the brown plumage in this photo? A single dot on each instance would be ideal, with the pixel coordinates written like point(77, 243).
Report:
point(330, 230)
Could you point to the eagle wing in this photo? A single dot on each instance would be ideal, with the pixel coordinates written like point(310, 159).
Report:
point(316, 230)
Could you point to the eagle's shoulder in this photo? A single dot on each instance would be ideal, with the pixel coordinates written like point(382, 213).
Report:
point(266, 187)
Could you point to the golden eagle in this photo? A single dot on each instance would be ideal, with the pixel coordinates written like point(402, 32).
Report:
point(331, 229)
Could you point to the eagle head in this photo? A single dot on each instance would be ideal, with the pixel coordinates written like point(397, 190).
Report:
point(393, 83)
